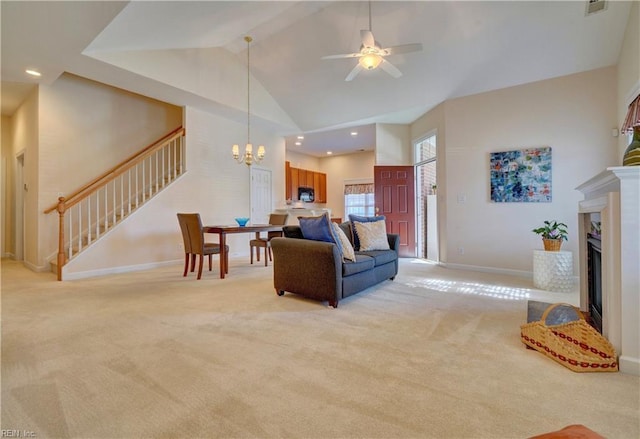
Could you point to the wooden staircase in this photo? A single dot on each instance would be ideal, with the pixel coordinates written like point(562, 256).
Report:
point(96, 208)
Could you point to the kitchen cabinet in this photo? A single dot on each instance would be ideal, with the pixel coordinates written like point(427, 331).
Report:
point(295, 182)
point(302, 177)
point(295, 177)
point(320, 187)
point(287, 181)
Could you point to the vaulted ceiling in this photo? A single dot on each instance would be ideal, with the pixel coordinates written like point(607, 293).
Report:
point(468, 47)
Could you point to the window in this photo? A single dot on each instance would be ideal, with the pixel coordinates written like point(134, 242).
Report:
point(359, 199)
point(426, 220)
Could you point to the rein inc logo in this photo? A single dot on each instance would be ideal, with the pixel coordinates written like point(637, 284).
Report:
point(17, 433)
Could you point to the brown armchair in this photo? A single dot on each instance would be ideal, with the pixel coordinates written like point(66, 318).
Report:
point(194, 244)
point(276, 219)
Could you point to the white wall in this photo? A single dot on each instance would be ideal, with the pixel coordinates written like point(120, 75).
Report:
point(214, 185)
point(573, 114)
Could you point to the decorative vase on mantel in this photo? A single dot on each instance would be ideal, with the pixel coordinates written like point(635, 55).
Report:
point(632, 153)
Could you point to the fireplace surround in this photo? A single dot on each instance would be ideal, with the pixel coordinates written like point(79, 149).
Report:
point(614, 195)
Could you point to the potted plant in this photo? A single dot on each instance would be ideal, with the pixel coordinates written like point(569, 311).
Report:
point(553, 233)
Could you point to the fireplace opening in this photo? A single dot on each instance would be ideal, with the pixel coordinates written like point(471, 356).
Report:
point(594, 279)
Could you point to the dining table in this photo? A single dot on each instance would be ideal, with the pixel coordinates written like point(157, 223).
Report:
point(223, 230)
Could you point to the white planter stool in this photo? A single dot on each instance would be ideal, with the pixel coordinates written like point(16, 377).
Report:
point(553, 271)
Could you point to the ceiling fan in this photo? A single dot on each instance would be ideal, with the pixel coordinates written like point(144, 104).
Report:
point(372, 55)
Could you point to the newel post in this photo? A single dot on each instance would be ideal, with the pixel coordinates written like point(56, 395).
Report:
point(62, 259)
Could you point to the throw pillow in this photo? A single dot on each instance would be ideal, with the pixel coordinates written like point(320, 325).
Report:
point(372, 235)
point(347, 249)
point(316, 228)
point(361, 219)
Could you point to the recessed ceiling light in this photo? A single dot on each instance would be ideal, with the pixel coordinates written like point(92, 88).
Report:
point(298, 143)
point(300, 137)
point(354, 133)
point(33, 72)
point(329, 152)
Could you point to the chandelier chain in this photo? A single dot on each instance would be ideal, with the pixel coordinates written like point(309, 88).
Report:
point(248, 39)
point(248, 157)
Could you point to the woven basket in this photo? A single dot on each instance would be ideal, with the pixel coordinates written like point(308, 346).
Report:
point(576, 345)
point(552, 245)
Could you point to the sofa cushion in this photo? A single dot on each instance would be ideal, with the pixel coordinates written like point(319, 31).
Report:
point(346, 228)
point(317, 228)
point(292, 232)
point(372, 235)
point(347, 249)
point(361, 219)
point(362, 263)
point(380, 257)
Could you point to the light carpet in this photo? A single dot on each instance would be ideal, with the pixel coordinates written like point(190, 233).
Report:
point(434, 354)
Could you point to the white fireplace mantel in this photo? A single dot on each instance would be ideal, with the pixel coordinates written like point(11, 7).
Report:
point(615, 195)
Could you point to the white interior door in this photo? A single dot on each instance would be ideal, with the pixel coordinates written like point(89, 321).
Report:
point(261, 202)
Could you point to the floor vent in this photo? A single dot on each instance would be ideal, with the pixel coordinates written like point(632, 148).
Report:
point(594, 6)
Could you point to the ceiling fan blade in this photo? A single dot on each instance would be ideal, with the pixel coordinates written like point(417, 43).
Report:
point(357, 69)
point(404, 48)
point(367, 38)
point(390, 68)
point(344, 55)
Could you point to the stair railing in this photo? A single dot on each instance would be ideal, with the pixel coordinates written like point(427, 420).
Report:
point(89, 212)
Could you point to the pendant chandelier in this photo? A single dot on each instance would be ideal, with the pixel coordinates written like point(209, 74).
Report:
point(248, 158)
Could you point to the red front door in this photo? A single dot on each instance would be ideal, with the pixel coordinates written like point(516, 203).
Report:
point(395, 199)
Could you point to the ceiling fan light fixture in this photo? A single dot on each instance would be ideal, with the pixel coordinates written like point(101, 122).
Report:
point(370, 61)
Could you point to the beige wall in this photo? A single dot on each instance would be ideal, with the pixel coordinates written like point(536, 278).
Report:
point(339, 169)
point(213, 73)
point(434, 121)
point(628, 72)
point(6, 188)
point(69, 132)
point(393, 144)
point(25, 142)
point(556, 113)
point(86, 128)
point(342, 168)
point(303, 161)
point(214, 185)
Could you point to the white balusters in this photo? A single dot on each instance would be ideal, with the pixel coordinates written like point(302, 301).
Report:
point(88, 219)
point(69, 217)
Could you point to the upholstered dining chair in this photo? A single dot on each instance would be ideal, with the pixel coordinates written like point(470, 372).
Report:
point(276, 219)
point(194, 243)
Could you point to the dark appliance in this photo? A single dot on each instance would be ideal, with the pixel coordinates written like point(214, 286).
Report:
point(305, 194)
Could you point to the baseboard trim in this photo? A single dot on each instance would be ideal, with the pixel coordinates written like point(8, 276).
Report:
point(117, 270)
point(518, 273)
point(629, 365)
point(37, 268)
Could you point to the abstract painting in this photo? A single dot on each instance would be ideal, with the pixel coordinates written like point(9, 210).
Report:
point(521, 176)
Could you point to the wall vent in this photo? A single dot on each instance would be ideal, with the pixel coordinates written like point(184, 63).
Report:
point(594, 6)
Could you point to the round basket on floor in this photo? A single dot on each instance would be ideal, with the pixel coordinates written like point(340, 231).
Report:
point(552, 245)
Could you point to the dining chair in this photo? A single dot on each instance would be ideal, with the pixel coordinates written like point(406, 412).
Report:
point(194, 243)
point(276, 219)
